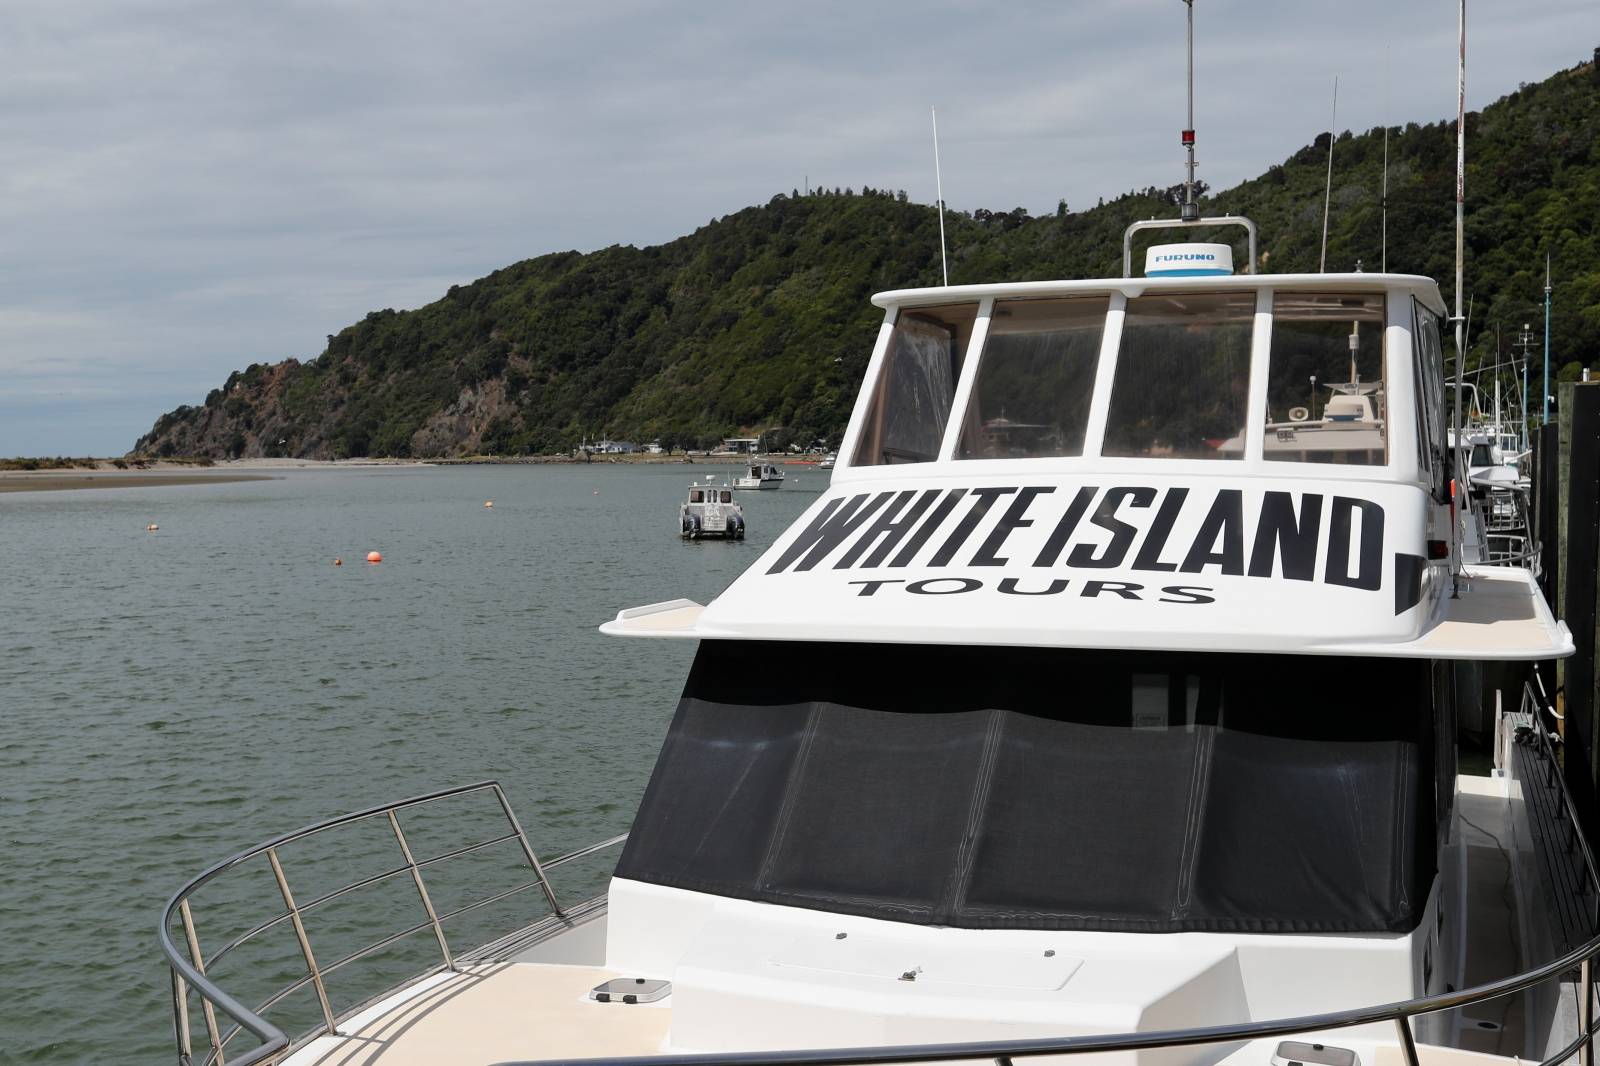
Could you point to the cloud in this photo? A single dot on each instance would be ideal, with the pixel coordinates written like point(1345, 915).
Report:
point(187, 187)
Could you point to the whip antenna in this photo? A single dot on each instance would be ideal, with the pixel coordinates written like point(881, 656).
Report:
point(1383, 255)
point(1327, 192)
point(938, 181)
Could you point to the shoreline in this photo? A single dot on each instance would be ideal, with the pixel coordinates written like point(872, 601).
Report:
point(60, 480)
point(104, 474)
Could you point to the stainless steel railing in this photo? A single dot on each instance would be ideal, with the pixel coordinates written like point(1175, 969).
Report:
point(191, 968)
point(1002, 1052)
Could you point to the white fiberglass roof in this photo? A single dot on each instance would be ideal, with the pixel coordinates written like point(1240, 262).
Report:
point(1425, 289)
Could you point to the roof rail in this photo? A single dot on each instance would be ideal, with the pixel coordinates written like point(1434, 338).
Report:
point(1180, 223)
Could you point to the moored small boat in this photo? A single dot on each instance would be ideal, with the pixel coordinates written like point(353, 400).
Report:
point(710, 512)
point(760, 476)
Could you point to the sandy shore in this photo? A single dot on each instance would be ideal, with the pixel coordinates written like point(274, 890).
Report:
point(56, 480)
point(104, 474)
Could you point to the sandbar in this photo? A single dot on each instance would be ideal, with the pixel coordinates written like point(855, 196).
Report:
point(56, 480)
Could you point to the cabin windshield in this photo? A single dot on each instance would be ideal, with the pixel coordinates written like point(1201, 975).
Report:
point(1481, 456)
point(1325, 387)
point(1183, 376)
point(1032, 393)
point(1142, 791)
point(916, 385)
point(1181, 366)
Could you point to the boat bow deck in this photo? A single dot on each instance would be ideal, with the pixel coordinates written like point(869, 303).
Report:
point(493, 1013)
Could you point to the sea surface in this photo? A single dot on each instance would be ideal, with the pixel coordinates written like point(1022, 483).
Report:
point(169, 698)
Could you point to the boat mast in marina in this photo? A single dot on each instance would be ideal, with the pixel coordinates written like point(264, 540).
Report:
point(1327, 189)
point(1461, 199)
point(938, 181)
point(1546, 339)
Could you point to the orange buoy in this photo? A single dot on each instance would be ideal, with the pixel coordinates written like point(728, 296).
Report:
point(374, 557)
point(338, 562)
point(488, 503)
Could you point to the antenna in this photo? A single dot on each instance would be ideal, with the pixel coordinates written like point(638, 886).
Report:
point(1190, 211)
point(1525, 344)
point(1383, 261)
point(944, 260)
point(1327, 192)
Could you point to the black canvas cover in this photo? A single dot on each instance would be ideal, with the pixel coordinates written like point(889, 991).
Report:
point(1031, 788)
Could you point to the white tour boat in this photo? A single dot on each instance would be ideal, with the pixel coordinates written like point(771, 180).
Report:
point(1128, 729)
point(760, 476)
point(1137, 743)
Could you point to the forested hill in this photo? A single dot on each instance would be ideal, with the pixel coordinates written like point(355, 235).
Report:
point(761, 319)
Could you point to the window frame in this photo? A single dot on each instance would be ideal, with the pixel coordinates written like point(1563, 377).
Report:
point(1433, 435)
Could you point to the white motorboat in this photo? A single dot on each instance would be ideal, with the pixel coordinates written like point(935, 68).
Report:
point(760, 476)
point(1070, 765)
point(827, 461)
point(710, 511)
point(1131, 733)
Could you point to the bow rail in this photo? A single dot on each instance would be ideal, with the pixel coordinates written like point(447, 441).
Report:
point(189, 969)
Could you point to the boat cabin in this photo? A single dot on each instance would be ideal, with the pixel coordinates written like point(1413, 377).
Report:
point(759, 476)
point(1253, 463)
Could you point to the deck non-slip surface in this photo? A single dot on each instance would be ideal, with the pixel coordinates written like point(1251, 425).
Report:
point(1494, 1027)
point(496, 1013)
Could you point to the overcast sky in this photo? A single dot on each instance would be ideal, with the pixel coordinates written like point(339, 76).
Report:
point(187, 188)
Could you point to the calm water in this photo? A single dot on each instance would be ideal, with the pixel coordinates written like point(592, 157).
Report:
point(169, 698)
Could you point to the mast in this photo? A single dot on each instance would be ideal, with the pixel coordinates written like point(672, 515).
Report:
point(1327, 192)
point(1461, 196)
point(938, 180)
point(1525, 344)
point(1190, 211)
point(1524, 447)
point(1546, 338)
point(1497, 387)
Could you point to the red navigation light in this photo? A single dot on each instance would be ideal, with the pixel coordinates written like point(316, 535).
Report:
point(1188, 136)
